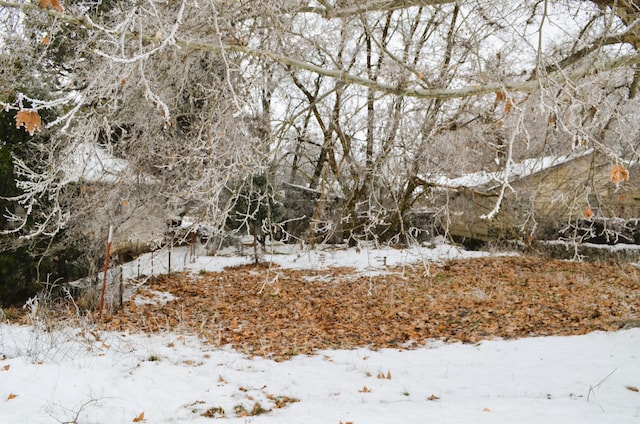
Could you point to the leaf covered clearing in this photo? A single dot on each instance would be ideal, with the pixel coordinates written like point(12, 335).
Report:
point(301, 311)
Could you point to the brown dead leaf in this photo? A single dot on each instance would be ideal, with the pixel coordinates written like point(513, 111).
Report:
point(486, 410)
point(365, 389)
point(433, 397)
point(258, 410)
point(53, 4)
point(384, 376)
point(508, 105)
point(240, 411)
point(619, 173)
point(139, 418)
point(215, 412)
point(281, 401)
point(633, 389)
point(11, 396)
point(6, 367)
point(29, 119)
point(587, 213)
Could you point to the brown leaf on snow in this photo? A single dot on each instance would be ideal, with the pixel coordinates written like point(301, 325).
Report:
point(139, 418)
point(29, 119)
point(281, 401)
point(215, 412)
point(11, 396)
point(384, 376)
point(6, 367)
point(633, 388)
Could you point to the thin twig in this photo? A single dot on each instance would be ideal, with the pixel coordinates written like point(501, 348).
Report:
point(592, 388)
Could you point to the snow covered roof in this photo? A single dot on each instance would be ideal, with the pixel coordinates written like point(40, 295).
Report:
point(516, 170)
point(91, 163)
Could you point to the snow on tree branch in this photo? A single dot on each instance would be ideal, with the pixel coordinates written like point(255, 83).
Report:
point(353, 101)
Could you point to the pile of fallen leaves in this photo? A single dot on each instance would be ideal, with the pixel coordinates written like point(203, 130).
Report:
point(266, 310)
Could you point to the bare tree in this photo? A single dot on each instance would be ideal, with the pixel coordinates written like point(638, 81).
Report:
point(363, 101)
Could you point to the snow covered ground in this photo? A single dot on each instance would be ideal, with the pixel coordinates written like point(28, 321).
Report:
point(173, 378)
point(86, 376)
point(292, 256)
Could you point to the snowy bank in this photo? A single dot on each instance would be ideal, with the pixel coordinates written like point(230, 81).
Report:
point(171, 378)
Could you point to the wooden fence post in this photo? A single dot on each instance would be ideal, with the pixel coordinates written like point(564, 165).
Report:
point(121, 287)
point(106, 267)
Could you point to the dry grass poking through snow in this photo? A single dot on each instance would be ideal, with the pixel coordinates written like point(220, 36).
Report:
point(300, 311)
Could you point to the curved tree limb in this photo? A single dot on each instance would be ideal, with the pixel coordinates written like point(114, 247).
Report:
point(557, 77)
point(329, 12)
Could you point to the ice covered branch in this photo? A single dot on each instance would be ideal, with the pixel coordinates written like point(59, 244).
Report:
point(505, 183)
point(558, 76)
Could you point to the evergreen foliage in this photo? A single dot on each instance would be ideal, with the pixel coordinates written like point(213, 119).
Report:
point(24, 264)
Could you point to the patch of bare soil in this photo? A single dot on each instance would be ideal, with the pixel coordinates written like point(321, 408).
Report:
point(278, 312)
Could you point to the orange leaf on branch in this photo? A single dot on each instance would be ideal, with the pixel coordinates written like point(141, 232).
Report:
point(619, 173)
point(53, 4)
point(29, 119)
point(508, 105)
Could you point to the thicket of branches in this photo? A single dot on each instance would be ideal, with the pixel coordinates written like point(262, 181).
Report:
point(358, 100)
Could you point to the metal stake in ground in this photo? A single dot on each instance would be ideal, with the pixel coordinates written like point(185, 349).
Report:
point(106, 267)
